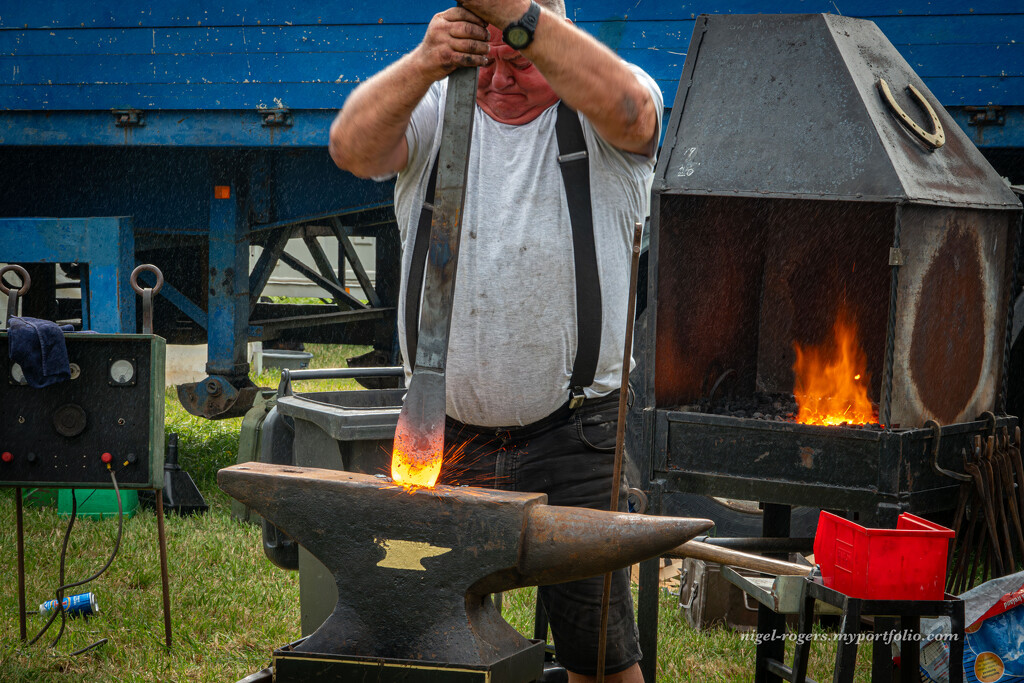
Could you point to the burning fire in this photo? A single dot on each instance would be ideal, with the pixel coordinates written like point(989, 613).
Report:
point(827, 387)
point(416, 458)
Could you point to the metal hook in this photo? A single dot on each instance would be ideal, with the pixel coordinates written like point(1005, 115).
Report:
point(936, 440)
point(13, 294)
point(989, 417)
point(147, 294)
point(933, 140)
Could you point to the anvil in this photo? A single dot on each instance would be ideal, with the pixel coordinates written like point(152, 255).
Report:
point(415, 567)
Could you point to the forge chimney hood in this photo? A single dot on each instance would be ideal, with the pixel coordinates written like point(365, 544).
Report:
point(791, 106)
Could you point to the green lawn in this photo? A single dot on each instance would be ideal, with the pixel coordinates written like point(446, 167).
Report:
point(230, 606)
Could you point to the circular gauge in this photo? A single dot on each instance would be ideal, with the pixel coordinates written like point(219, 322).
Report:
point(122, 371)
point(17, 374)
point(76, 370)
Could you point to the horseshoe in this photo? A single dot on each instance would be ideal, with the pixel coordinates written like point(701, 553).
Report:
point(933, 140)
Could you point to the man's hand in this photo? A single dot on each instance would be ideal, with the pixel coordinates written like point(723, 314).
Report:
point(455, 37)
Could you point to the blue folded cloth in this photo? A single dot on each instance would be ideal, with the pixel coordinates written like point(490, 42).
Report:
point(38, 347)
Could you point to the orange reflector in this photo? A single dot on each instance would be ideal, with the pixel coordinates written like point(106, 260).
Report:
point(222, 192)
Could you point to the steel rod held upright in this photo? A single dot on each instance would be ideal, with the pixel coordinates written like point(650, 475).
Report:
point(620, 437)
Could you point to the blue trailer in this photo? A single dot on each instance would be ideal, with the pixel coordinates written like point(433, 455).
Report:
point(204, 128)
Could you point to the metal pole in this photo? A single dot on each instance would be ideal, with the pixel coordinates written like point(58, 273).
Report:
point(21, 563)
point(620, 438)
point(163, 565)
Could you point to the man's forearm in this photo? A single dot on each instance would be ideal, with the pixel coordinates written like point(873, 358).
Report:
point(368, 135)
point(593, 80)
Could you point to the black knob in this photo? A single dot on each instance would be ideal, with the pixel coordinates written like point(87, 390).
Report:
point(69, 420)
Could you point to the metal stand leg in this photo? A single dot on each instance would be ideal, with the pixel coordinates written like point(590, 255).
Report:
point(849, 633)
point(647, 618)
point(956, 647)
point(21, 563)
point(881, 656)
point(803, 644)
point(163, 565)
point(540, 621)
point(771, 626)
point(910, 650)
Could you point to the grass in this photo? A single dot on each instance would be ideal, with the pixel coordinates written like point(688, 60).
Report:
point(230, 606)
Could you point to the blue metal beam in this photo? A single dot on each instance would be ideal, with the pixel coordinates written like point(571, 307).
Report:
point(228, 281)
point(106, 245)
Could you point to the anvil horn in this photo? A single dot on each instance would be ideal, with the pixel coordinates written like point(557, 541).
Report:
point(565, 544)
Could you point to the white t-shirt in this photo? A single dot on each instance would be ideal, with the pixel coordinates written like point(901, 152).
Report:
point(513, 332)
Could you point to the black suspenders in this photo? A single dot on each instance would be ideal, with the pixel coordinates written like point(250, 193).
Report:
point(574, 163)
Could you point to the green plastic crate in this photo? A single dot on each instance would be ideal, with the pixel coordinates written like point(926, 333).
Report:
point(39, 498)
point(97, 503)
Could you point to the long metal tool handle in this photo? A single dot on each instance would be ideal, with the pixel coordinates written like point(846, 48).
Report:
point(734, 558)
point(620, 438)
point(19, 522)
point(446, 225)
point(419, 435)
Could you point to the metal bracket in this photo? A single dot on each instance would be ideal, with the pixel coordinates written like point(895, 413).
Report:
point(992, 115)
point(896, 257)
point(276, 118)
point(147, 293)
point(129, 118)
point(935, 139)
point(936, 439)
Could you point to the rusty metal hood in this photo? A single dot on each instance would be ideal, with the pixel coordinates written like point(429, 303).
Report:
point(790, 106)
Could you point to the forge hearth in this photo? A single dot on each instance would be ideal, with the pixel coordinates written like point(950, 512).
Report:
point(788, 190)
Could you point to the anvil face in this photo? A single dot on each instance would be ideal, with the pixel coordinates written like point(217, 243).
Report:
point(414, 567)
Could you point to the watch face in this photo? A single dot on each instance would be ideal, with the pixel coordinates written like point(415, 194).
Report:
point(518, 36)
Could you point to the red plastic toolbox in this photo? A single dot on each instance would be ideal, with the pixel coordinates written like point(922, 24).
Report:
point(905, 563)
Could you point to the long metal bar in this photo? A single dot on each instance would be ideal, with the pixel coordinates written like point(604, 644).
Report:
point(320, 281)
point(735, 558)
point(267, 326)
point(620, 438)
point(19, 523)
point(261, 272)
point(163, 565)
point(419, 434)
point(323, 264)
point(756, 544)
point(357, 266)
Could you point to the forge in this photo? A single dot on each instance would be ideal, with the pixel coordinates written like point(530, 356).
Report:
point(415, 568)
point(808, 175)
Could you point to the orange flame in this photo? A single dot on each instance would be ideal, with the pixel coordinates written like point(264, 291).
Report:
point(827, 384)
point(416, 458)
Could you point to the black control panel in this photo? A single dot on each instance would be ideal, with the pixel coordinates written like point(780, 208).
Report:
point(110, 412)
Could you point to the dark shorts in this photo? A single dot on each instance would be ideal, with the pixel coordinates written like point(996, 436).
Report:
point(570, 457)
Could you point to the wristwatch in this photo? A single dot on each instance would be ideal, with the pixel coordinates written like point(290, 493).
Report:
point(519, 33)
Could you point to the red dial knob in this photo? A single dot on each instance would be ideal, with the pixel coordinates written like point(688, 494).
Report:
point(7, 456)
point(106, 458)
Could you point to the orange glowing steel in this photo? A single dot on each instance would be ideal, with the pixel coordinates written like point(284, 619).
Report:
point(827, 386)
point(416, 458)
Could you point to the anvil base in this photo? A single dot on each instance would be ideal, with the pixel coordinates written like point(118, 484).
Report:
point(293, 666)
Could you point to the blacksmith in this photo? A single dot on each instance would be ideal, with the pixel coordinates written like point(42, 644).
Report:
point(539, 317)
